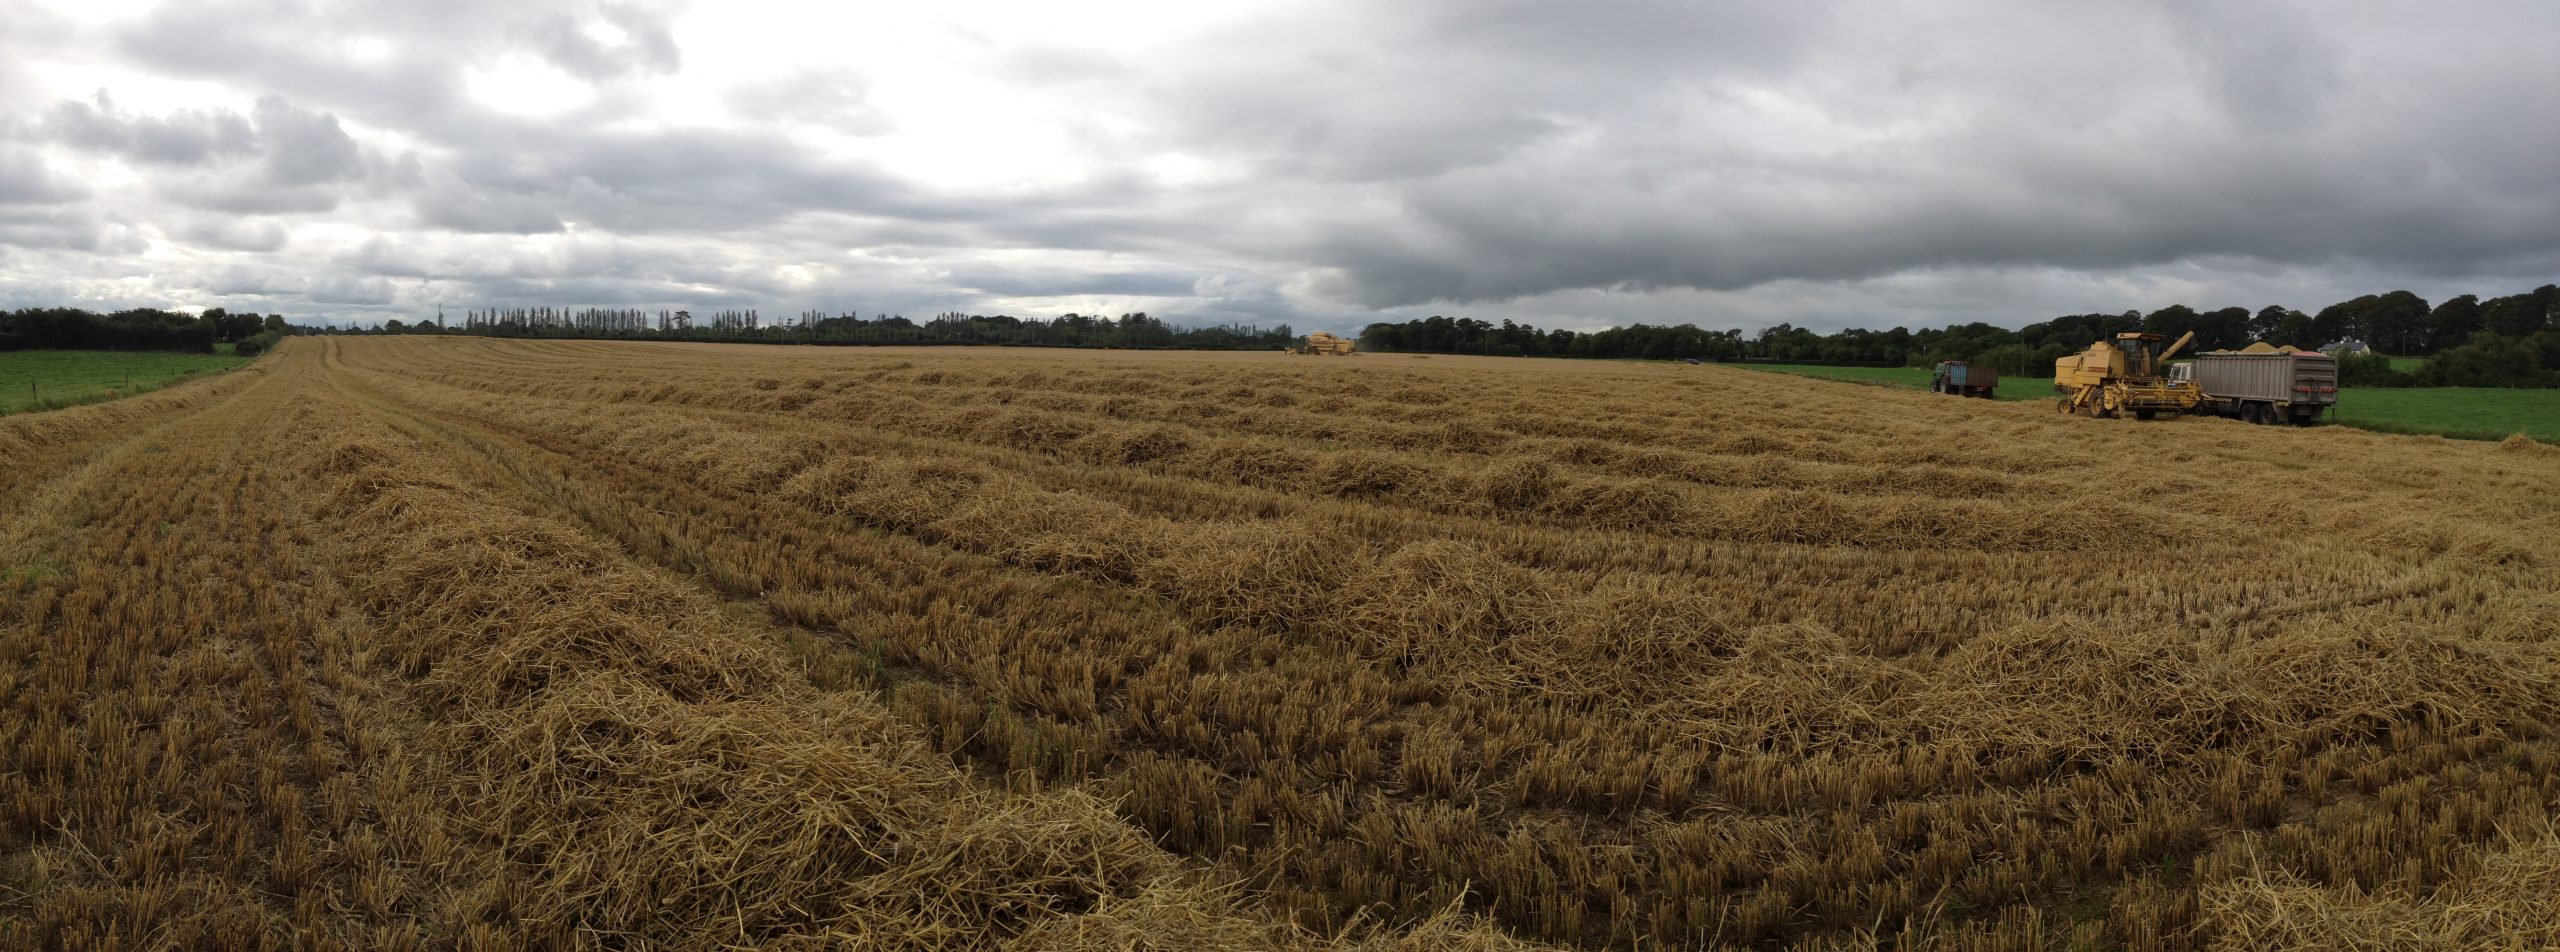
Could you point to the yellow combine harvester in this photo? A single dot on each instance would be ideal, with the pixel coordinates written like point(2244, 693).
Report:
point(2127, 373)
point(1323, 343)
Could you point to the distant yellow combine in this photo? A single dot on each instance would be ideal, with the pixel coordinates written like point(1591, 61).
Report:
point(1323, 343)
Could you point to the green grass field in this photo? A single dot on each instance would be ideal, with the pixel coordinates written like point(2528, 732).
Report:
point(1917, 378)
point(2481, 413)
point(2462, 412)
point(47, 379)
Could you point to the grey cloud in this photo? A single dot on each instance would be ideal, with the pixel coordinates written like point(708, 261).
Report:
point(449, 202)
point(25, 179)
point(1047, 282)
point(350, 289)
point(677, 180)
point(304, 148)
point(182, 138)
point(1427, 88)
point(73, 229)
point(417, 84)
point(1617, 40)
point(283, 159)
point(835, 99)
point(646, 46)
point(380, 255)
point(236, 234)
point(248, 195)
point(272, 282)
point(2269, 66)
point(246, 279)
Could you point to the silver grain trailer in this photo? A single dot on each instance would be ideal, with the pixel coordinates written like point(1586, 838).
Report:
point(2278, 387)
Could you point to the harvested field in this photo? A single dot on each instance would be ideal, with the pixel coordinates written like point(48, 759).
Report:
point(416, 643)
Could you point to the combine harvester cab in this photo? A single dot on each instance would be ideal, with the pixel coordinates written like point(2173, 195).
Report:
point(2127, 374)
point(2264, 384)
point(1966, 379)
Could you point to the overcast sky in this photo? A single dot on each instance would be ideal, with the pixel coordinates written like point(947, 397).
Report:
point(1327, 164)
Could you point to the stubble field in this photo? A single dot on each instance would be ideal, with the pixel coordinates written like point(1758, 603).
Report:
point(481, 644)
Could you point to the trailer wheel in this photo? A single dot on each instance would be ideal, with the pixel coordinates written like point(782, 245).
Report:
point(2249, 414)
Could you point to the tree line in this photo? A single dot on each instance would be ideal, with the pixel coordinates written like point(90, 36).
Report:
point(70, 328)
point(2511, 341)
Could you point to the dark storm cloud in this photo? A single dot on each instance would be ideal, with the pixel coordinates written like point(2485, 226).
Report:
point(1531, 148)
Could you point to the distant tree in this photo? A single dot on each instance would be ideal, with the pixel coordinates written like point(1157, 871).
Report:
point(2396, 323)
point(2338, 322)
point(135, 329)
point(2170, 321)
point(2265, 324)
point(2453, 322)
point(2518, 315)
point(2223, 329)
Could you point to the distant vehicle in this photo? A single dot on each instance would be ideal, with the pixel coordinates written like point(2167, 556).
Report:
point(1324, 343)
point(2263, 384)
point(1965, 379)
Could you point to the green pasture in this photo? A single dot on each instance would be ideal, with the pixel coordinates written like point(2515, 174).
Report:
point(50, 379)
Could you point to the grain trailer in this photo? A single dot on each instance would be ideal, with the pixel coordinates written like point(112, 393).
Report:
point(2271, 385)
